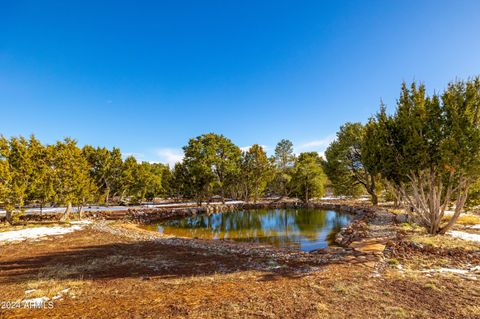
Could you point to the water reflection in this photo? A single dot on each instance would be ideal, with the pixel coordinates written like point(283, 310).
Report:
point(303, 229)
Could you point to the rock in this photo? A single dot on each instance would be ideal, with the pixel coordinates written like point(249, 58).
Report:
point(370, 264)
point(402, 218)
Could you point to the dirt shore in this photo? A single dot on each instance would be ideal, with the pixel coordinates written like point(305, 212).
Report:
point(94, 273)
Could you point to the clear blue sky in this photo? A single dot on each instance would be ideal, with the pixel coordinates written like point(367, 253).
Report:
point(147, 75)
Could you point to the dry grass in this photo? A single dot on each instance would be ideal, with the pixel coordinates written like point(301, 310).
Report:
point(443, 241)
point(468, 220)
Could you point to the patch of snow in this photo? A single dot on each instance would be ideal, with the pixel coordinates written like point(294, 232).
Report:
point(332, 197)
point(453, 270)
point(449, 212)
point(447, 270)
point(64, 291)
point(464, 235)
point(36, 233)
point(475, 226)
point(30, 291)
point(468, 274)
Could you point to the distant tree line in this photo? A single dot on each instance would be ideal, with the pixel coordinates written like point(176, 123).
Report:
point(64, 174)
point(425, 156)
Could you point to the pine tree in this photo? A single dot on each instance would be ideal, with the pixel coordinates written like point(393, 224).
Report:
point(256, 172)
point(308, 180)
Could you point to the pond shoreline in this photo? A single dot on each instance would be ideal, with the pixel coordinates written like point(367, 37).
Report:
point(358, 242)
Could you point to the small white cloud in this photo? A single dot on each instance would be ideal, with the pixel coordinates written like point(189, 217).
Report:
point(170, 156)
point(316, 145)
point(321, 143)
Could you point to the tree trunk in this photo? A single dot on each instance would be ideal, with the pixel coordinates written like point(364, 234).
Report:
point(80, 212)
point(371, 191)
point(9, 216)
point(306, 195)
point(66, 214)
point(430, 195)
point(374, 198)
point(107, 196)
point(223, 195)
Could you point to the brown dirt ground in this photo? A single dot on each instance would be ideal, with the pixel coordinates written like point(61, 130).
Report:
point(114, 277)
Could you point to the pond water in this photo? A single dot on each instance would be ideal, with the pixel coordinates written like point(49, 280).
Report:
point(302, 229)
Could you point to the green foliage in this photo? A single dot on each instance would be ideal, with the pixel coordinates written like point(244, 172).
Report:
point(257, 171)
point(211, 160)
point(32, 173)
point(308, 180)
point(344, 163)
point(141, 181)
point(473, 195)
point(105, 170)
point(429, 149)
point(72, 183)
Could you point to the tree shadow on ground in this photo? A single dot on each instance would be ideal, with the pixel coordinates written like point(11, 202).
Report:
point(144, 259)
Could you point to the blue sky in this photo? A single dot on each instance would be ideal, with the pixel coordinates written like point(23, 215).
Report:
point(146, 76)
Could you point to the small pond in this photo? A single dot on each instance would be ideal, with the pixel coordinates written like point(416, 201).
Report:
point(302, 229)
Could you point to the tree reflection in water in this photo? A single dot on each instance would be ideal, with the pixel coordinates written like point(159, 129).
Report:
point(303, 229)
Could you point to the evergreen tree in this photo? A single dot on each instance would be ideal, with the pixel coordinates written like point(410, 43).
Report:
point(105, 170)
point(308, 180)
point(344, 163)
point(72, 183)
point(211, 159)
point(256, 171)
point(284, 160)
point(43, 173)
point(429, 149)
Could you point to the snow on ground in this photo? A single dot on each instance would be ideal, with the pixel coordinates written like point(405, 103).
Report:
point(464, 235)
point(39, 232)
point(475, 226)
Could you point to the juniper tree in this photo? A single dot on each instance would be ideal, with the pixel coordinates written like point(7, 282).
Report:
point(308, 180)
point(210, 159)
point(72, 183)
point(429, 149)
point(344, 163)
point(105, 169)
point(256, 171)
point(43, 173)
